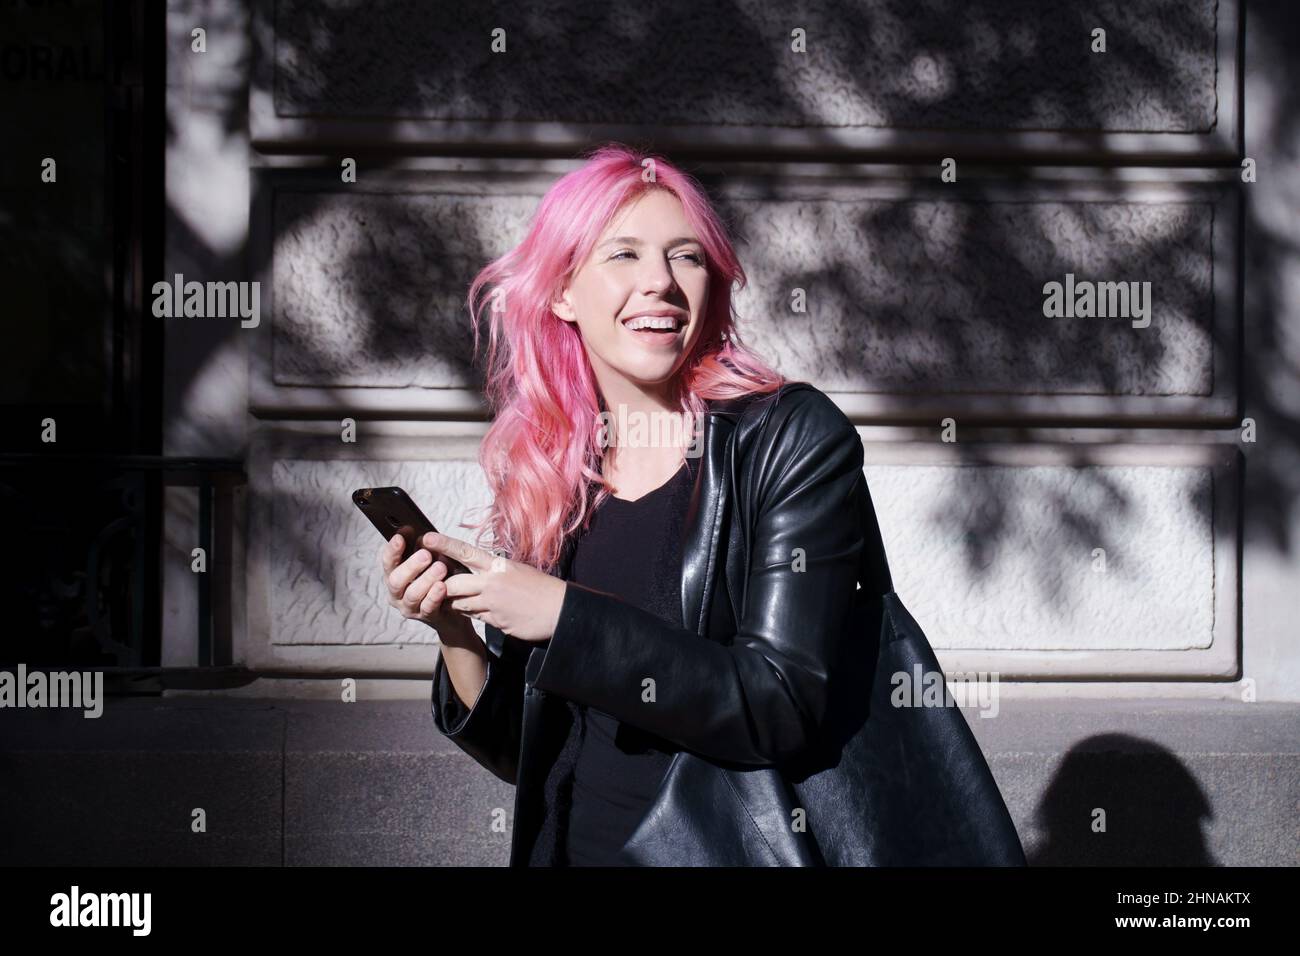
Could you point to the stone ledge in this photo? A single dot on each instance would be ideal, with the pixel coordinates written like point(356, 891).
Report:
point(323, 783)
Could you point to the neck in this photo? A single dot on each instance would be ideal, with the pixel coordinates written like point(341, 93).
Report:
point(645, 422)
point(637, 399)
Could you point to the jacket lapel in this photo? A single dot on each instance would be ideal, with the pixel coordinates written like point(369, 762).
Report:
point(703, 525)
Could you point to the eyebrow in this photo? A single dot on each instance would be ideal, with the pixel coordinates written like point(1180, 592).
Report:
point(634, 241)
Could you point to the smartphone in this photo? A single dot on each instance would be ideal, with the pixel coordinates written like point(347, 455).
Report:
point(392, 511)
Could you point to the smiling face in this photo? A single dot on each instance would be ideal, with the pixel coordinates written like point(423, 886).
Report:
point(646, 260)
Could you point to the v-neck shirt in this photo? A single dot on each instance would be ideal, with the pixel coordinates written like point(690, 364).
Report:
point(631, 549)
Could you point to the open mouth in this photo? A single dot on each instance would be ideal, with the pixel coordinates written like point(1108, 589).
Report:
point(670, 328)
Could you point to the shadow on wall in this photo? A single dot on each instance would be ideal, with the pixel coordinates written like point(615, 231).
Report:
point(324, 59)
point(1118, 800)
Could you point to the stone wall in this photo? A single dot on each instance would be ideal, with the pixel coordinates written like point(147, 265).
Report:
point(1170, 448)
point(923, 298)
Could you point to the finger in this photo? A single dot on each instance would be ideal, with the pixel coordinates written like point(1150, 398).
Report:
point(464, 585)
point(391, 553)
point(402, 576)
point(476, 559)
point(417, 562)
point(418, 590)
point(467, 607)
point(437, 593)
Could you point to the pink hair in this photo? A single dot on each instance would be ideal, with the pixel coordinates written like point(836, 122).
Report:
point(541, 464)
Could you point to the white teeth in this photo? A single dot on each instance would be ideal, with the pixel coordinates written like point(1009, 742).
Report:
point(651, 322)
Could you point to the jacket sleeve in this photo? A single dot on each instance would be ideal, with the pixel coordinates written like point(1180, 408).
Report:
point(762, 698)
point(490, 730)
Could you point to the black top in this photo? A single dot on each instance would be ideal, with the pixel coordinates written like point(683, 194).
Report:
point(632, 550)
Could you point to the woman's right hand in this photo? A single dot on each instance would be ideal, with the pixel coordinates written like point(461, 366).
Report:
point(415, 588)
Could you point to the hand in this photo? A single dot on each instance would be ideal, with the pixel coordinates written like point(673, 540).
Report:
point(415, 587)
point(513, 597)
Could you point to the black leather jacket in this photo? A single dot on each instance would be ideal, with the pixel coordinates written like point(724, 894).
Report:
point(739, 686)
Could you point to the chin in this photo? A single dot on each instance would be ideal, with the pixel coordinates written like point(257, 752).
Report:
point(651, 373)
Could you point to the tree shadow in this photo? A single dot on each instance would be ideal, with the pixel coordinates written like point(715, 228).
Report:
point(980, 271)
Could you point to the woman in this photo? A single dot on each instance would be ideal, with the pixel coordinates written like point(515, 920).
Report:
point(636, 618)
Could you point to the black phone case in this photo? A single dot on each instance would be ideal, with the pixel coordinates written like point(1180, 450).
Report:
point(392, 511)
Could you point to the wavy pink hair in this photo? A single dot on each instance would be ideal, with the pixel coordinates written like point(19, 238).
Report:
point(541, 463)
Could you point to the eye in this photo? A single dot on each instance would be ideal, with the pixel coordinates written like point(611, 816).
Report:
point(690, 255)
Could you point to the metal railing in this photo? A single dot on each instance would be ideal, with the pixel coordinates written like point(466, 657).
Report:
point(111, 505)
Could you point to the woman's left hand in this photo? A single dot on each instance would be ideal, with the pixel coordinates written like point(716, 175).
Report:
point(513, 597)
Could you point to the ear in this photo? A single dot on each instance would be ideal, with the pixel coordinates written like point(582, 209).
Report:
point(563, 309)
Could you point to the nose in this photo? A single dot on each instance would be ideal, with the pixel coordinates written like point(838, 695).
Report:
point(656, 275)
